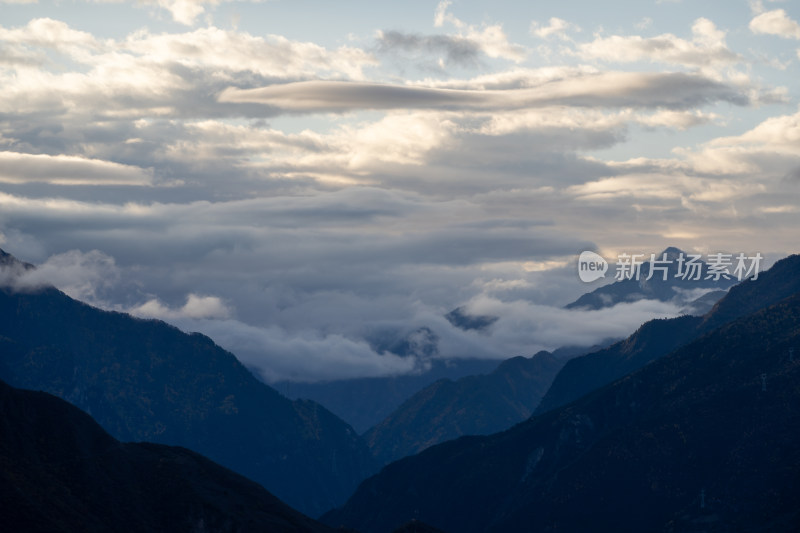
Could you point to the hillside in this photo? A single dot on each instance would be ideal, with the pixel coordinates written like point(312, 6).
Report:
point(60, 472)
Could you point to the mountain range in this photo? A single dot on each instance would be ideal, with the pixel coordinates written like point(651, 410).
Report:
point(673, 429)
point(703, 438)
point(656, 338)
point(144, 380)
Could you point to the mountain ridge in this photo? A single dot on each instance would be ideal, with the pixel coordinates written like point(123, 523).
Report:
point(634, 455)
point(656, 338)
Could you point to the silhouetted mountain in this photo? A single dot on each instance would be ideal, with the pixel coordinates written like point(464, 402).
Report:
point(8, 260)
point(364, 402)
point(146, 380)
point(60, 472)
point(659, 337)
point(473, 405)
point(695, 441)
point(777, 283)
point(11, 268)
point(586, 373)
point(656, 288)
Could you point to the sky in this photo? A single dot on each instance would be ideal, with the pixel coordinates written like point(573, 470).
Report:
point(315, 184)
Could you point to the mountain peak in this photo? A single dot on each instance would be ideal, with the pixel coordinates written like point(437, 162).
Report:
point(8, 260)
point(672, 253)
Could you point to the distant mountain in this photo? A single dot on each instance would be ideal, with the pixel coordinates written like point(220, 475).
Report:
point(704, 439)
point(702, 305)
point(59, 471)
point(472, 405)
point(144, 380)
point(364, 402)
point(656, 338)
point(656, 288)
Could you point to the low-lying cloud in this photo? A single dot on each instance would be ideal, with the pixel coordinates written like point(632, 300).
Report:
point(325, 334)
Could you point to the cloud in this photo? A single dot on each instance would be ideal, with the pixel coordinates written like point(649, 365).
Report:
point(234, 51)
point(687, 190)
point(296, 347)
point(707, 48)
point(491, 38)
point(196, 307)
point(556, 27)
point(522, 328)
point(69, 170)
point(278, 355)
point(771, 150)
point(185, 11)
point(441, 15)
point(775, 22)
point(48, 33)
point(514, 78)
point(671, 90)
point(182, 11)
point(154, 75)
point(313, 246)
point(83, 276)
point(457, 50)
point(679, 120)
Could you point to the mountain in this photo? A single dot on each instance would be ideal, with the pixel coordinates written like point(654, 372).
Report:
point(365, 402)
point(659, 337)
point(586, 373)
point(8, 260)
point(702, 305)
point(472, 405)
point(144, 380)
point(704, 439)
point(60, 472)
point(674, 288)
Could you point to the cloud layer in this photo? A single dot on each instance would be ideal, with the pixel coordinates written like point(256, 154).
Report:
point(314, 203)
